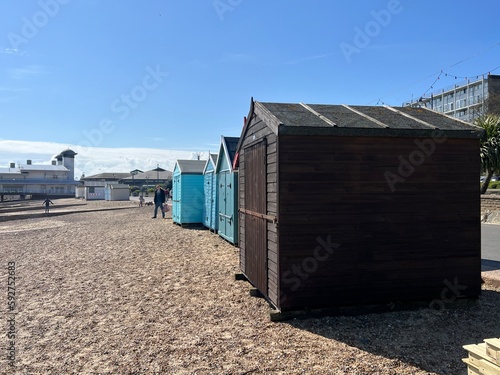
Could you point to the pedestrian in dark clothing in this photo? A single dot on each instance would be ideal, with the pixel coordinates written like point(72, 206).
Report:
point(47, 202)
point(159, 199)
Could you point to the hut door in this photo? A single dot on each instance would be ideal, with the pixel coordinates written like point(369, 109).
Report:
point(176, 198)
point(223, 204)
point(208, 208)
point(226, 206)
point(255, 212)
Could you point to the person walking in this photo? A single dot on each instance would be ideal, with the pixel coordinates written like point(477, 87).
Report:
point(159, 199)
point(47, 202)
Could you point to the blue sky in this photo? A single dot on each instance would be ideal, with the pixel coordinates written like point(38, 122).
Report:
point(176, 75)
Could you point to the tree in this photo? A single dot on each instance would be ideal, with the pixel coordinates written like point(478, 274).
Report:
point(489, 147)
point(492, 104)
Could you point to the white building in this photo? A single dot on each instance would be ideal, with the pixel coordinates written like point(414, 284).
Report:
point(117, 192)
point(54, 180)
point(95, 185)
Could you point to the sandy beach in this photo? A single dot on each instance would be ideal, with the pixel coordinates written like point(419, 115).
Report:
point(101, 288)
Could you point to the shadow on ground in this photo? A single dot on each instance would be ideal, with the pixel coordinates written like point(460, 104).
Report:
point(428, 339)
point(489, 265)
point(34, 207)
point(57, 212)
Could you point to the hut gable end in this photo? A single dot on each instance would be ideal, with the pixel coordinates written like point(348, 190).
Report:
point(227, 185)
point(257, 150)
point(210, 192)
point(227, 152)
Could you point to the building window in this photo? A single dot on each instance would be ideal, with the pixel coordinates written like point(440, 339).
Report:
point(461, 103)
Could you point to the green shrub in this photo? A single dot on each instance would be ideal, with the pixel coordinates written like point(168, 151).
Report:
point(494, 185)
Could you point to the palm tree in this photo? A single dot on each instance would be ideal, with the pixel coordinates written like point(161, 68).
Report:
point(489, 147)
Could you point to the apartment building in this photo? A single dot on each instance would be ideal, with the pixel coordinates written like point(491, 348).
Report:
point(464, 101)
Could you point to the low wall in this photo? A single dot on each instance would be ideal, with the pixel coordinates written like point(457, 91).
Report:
point(490, 208)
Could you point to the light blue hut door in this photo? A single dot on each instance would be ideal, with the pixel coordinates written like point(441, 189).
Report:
point(209, 207)
point(226, 206)
point(176, 198)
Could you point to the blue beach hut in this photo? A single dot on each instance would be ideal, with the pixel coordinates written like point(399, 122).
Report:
point(187, 192)
point(210, 190)
point(227, 182)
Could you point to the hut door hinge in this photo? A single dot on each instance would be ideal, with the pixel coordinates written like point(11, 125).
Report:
point(229, 217)
point(272, 219)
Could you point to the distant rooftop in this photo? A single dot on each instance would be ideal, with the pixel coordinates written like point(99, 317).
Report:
point(106, 176)
point(157, 173)
point(34, 167)
point(66, 154)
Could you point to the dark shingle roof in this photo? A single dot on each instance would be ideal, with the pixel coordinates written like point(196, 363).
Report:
point(214, 158)
point(385, 121)
point(231, 145)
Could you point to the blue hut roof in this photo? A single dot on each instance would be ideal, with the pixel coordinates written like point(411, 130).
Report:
point(190, 166)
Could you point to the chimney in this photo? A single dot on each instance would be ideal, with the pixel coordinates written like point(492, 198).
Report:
point(53, 162)
point(12, 165)
point(28, 162)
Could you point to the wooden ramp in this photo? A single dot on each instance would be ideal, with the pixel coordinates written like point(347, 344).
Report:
point(484, 358)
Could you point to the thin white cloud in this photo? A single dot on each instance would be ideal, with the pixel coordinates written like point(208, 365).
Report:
point(13, 51)
point(10, 94)
point(155, 139)
point(93, 160)
point(27, 71)
point(238, 58)
point(243, 58)
point(304, 59)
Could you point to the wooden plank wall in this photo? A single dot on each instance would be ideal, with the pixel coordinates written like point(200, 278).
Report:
point(258, 128)
point(348, 238)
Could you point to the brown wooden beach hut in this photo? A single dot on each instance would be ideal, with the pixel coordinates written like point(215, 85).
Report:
point(356, 205)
